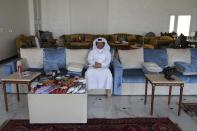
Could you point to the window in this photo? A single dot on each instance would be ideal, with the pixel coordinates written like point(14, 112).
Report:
point(182, 26)
point(172, 20)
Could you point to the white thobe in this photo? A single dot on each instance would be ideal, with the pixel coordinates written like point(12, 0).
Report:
point(99, 78)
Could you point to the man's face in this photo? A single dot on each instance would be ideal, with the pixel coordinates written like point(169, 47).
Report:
point(100, 45)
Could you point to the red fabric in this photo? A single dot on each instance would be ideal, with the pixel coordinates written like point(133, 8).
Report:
point(190, 108)
point(125, 124)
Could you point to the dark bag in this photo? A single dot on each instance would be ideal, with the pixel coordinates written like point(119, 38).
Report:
point(168, 72)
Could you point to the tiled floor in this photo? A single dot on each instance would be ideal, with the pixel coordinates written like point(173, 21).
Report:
point(114, 107)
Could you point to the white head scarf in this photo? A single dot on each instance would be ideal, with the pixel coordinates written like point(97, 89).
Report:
point(100, 39)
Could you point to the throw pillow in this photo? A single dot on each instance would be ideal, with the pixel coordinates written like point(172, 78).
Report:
point(88, 38)
point(166, 38)
point(131, 59)
point(146, 40)
point(75, 67)
point(122, 38)
point(113, 38)
point(151, 67)
point(131, 38)
point(75, 38)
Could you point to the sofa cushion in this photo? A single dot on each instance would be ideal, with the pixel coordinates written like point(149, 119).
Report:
point(122, 38)
point(185, 78)
point(75, 38)
point(146, 40)
point(77, 56)
point(166, 38)
point(88, 38)
point(131, 59)
point(79, 43)
point(33, 57)
point(192, 79)
point(186, 68)
point(113, 38)
point(132, 38)
point(158, 56)
point(180, 55)
point(36, 70)
point(151, 67)
point(55, 56)
point(50, 66)
point(193, 56)
point(133, 76)
point(7, 70)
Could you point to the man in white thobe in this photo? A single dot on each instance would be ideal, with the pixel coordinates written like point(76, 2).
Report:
point(98, 75)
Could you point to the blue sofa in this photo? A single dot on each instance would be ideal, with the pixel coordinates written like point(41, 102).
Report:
point(34, 59)
point(130, 80)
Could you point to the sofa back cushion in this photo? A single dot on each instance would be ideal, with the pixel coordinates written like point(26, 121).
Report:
point(178, 55)
point(54, 57)
point(131, 59)
point(76, 56)
point(193, 56)
point(158, 56)
point(132, 38)
point(33, 57)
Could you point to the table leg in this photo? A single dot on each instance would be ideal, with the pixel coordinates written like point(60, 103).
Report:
point(29, 86)
point(169, 95)
point(146, 88)
point(180, 100)
point(152, 98)
point(18, 96)
point(5, 96)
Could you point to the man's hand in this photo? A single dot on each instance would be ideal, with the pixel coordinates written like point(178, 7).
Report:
point(97, 65)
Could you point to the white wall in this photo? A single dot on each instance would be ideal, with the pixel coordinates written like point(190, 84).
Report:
point(88, 16)
point(142, 16)
point(55, 16)
point(13, 21)
point(112, 16)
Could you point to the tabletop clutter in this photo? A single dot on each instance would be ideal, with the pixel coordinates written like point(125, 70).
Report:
point(59, 85)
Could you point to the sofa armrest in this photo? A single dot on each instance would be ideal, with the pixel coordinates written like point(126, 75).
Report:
point(118, 73)
point(8, 69)
point(186, 68)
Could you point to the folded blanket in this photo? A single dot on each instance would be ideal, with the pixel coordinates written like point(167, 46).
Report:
point(75, 67)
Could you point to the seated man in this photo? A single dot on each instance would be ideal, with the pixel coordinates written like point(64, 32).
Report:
point(98, 75)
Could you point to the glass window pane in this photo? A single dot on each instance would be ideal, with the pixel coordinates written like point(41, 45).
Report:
point(183, 24)
point(172, 19)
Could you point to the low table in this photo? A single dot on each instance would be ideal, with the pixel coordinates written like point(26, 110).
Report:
point(160, 80)
point(57, 107)
point(17, 78)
